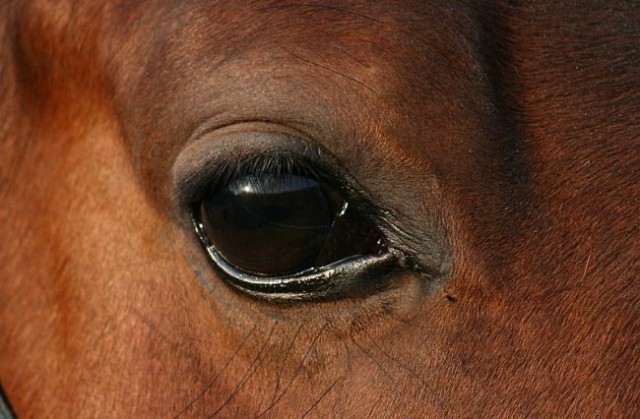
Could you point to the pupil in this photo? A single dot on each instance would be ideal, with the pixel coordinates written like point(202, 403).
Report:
point(270, 225)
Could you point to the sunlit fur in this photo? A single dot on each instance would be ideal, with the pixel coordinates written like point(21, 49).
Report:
point(503, 136)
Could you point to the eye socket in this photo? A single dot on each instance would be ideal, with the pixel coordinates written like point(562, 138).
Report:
point(280, 229)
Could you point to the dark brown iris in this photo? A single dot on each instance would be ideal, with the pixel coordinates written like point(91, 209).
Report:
point(278, 225)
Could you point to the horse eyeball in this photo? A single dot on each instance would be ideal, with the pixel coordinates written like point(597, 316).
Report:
point(270, 225)
point(281, 229)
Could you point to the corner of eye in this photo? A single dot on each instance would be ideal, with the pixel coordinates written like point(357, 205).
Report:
point(189, 169)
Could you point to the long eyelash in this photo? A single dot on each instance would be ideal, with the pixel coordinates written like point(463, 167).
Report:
point(260, 165)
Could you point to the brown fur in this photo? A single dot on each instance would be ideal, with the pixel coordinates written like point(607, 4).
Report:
point(507, 133)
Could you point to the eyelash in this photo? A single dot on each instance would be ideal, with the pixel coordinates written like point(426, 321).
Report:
point(260, 165)
point(282, 163)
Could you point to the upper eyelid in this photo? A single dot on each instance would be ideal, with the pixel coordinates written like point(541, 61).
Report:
point(198, 163)
point(215, 160)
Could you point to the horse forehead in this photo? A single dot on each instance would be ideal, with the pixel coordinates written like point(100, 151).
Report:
point(319, 65)
point(377, 49)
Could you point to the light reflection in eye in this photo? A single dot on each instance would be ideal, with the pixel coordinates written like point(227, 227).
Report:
point(271, 184)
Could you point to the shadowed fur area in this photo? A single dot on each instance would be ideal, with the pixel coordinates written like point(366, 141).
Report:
point(499, 139)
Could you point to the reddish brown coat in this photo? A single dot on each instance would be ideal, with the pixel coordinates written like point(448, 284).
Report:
point(506, 132)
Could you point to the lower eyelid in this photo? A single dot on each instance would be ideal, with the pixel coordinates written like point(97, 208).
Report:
point(355, 277)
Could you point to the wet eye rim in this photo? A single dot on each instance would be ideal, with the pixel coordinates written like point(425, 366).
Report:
point(343, 278)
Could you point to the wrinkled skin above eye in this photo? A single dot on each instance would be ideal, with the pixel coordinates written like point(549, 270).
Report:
point(271, 224)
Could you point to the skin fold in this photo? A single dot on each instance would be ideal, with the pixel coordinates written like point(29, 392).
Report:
point(500, 141)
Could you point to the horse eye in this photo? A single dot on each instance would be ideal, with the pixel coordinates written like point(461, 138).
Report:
point(283, 235)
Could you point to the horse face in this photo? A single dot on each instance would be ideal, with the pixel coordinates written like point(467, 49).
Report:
point(492, 148)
